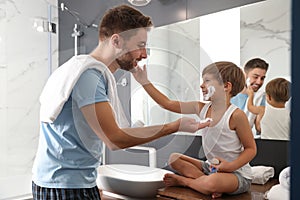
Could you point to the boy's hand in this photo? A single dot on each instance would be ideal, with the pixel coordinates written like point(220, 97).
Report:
point(140, 75)
point(223, 166)
point(250, 91)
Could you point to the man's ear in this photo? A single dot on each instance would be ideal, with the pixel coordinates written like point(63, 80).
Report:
point(116, 41)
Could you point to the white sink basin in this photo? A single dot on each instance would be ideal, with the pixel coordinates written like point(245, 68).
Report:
point(131, 180)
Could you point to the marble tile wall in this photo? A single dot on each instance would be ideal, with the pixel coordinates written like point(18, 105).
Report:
point(23, 72)
point(267, 34)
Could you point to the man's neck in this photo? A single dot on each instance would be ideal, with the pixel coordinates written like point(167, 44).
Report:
point(105, 57)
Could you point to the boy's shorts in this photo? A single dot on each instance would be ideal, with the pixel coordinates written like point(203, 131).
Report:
point(244, 183)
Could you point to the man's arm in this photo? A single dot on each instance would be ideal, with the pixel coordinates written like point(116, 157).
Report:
point(101, 119)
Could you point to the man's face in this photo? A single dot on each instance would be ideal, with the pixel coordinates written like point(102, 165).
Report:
point(257, 77)
point(134, 50)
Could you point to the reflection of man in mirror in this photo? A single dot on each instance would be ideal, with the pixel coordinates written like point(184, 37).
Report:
point(255, 71)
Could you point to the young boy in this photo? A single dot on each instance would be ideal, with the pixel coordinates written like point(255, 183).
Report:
point(228, 138)
point(273, 119)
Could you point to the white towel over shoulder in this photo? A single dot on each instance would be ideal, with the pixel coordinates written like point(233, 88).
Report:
point(60, 85)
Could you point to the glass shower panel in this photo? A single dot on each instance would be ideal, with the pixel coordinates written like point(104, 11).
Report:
point(25, 60)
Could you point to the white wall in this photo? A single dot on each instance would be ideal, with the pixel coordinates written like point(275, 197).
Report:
point(220, 37)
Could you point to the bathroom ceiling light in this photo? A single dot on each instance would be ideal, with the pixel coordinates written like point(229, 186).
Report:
point(139, 2)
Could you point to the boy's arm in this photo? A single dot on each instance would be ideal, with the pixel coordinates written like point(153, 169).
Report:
point(257, 110)
point(192, 107)
point(250, 106)
point(258, 118)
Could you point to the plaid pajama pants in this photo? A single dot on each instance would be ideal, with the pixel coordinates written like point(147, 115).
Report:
point(41, 193)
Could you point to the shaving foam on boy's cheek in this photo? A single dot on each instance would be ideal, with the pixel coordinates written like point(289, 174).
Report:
point(210, 91)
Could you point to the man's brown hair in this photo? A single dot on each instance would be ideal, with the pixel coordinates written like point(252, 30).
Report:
point(120, 19)
point(256, 63)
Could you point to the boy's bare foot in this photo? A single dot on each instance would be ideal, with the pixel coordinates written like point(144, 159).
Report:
point(173, 180)
point(216, 195)
point(177, 180)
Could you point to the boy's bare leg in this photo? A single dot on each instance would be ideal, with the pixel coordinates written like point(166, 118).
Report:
point(214, 184)
point(186, 166)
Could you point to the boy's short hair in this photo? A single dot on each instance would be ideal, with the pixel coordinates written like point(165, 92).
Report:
point(224, 72)
point(120, 19)
point(256, 63)
point(279, 89)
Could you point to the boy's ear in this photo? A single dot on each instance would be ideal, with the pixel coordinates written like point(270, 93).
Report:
point(227, 86)
point(268, 97)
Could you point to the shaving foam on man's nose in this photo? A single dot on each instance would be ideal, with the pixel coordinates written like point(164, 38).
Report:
point(210, 91)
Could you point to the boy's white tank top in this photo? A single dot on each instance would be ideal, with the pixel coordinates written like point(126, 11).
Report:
point(221, 141)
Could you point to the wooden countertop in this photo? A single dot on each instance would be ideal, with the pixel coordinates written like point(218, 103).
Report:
point(182, 193)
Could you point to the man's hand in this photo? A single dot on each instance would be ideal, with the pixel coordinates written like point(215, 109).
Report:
point(190, 125)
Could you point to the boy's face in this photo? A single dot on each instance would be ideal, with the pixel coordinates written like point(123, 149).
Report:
point(211, 88)
point(257, 77)
point(134, 50)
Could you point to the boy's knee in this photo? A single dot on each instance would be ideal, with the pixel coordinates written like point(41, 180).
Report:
point(174, 157)
point(209, 184)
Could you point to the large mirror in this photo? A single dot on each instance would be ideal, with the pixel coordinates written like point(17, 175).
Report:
point(179, 52)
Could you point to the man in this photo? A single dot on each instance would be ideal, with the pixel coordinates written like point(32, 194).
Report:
point(80, 110)
point(255, 72)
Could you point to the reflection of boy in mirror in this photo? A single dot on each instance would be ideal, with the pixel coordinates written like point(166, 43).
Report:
point(228, 138)
point(273, 120)
point(255, 71)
